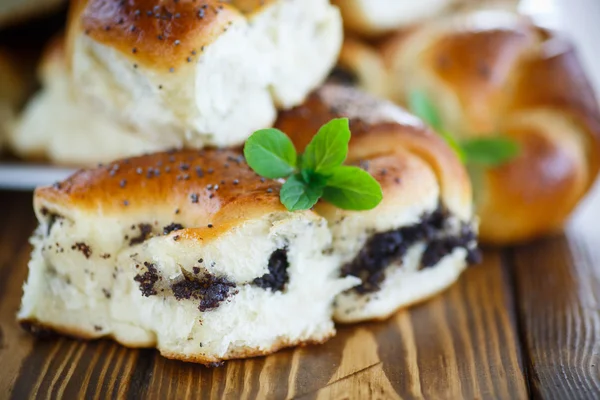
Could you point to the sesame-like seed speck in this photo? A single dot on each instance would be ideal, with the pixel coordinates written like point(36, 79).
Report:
point(210, 225)
point(236, 181)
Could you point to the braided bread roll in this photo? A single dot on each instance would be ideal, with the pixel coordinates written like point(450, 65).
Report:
point(190, 252)
point(419, 239)
point(495, 73)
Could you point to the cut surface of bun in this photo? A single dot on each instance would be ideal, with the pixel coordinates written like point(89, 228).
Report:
point(207, 73)
point(188, 252)
point(420, 238)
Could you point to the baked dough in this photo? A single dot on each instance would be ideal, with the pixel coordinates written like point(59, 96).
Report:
point(208, 73)
point(418, 240)
point(494, 73)
point(59, 126)
point(189, 252)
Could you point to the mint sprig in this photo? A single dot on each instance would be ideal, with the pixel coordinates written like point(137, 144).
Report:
point(485, 151)
point(317, 173)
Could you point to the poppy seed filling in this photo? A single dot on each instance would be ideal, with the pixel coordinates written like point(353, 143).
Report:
point(212, 290)
point(278, 276)
point(387, 248)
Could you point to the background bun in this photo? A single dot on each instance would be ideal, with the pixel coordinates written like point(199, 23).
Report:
point(209, 73)
point(494, 73)
point(57, 126)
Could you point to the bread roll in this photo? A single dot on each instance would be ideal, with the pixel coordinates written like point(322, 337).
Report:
point(494, 73)
point(419, 239)
point(189, 252)
point(206, 73)
point(56, 125)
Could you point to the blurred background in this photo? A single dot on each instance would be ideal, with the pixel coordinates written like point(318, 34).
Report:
point(580, 19)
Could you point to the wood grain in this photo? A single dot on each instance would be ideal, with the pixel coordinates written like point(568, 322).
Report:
point(557, 285)
point(462, 344)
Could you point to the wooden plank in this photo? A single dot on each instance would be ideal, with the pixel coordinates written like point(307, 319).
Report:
point(461, 344)
point(558, 293)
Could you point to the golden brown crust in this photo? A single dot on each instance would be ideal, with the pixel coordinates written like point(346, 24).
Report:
point(497, 73)
point(244, 352)
point(153, 33)
point(375, 134)
point(556, 80)
point(43, 330)
point(207, 187)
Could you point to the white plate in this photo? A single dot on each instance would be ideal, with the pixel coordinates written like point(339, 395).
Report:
point(18, 176)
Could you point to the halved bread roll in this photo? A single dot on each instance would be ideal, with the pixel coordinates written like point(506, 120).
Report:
point(421, 237)
point(188, 252)
point(208, 73)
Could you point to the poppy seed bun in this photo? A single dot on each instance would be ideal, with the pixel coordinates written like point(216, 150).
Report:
point(417, 241)
point(495, 73)
point(188, 252)
point(208, 73)
point(57, 126)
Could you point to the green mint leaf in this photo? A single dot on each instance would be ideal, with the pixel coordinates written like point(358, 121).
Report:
point(313, 178)
point(490, 152)
point(329, 148)
point(453, 144)
point(419, 103)
point(270, 153)
point(351, 188)
point(298, 195)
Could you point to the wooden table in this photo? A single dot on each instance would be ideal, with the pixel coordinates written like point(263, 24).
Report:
point(526, 323)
